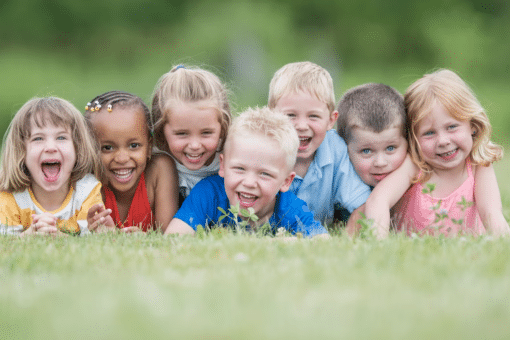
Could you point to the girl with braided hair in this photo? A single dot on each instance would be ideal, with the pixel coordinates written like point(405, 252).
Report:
point(139, 186)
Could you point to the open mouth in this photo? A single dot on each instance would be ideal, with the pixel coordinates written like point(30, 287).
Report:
point(449, 155)
point(123, 175)
point(246, 200)
point(194, 158)
point(51, 170)
point(304, 142)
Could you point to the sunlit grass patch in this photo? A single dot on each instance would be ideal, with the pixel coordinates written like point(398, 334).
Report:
point(241, 285)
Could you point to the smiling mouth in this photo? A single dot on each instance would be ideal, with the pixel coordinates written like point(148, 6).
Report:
point(194, 158)
point(123, 175)
point(379, 177)
point(448, 155)
point(51, 170)
point(304, 142)
point(246, 200)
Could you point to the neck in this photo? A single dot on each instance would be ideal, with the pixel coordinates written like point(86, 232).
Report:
point(52, 200)
point(301, 167)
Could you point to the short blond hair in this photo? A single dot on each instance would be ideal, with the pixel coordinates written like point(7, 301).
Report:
point(270, 123)
point(302, 76)
point(188, 84)
point(446, 87)
point(14, 175)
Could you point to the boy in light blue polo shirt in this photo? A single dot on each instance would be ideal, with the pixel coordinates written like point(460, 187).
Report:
point(325, 178)
point(256, 170)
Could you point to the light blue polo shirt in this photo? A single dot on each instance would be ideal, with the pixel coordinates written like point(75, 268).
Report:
point(330, 181)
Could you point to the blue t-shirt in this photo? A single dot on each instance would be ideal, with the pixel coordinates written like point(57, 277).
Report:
point(201, 208)
point(331, 181)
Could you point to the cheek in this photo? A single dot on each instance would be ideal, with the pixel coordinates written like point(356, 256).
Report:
point(360, 164)
point(397, 159)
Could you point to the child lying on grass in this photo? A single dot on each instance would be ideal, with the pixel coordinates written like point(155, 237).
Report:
point(256, 172)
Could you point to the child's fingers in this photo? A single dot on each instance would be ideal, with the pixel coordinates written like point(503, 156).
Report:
point(129, 230)
point(47, 230)
point(96, 208)
point(44, 217)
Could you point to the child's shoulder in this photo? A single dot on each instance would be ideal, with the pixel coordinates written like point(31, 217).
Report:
point(332, 149)
point(160, 164)
point(158, 161)
point(6, 197)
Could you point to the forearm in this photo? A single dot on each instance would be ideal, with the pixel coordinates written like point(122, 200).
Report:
point(179, 227)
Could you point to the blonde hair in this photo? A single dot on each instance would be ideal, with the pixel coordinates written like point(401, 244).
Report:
point(446, 87)
point(188, 84)
point(302, 76)
point(269, 123)
point(14, 175)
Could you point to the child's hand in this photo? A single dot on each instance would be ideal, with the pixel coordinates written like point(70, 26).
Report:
point(42, 224)
point(99, 219)
point(132, 229)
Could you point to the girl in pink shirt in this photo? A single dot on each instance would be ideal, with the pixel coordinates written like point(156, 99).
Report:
point(453, 184)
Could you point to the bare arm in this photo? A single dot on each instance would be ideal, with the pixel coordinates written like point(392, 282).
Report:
point(162, 175)
point(488, 201)
point(386, 194)
point(352, 227)
point(179, 227)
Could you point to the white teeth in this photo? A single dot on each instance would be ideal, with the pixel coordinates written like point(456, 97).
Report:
point(247, 196)
point(193, 156)
point(124, 173)
point(449, 153)
point(304, 138)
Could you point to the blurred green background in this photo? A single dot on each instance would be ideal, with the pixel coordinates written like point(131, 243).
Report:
point(78, 49)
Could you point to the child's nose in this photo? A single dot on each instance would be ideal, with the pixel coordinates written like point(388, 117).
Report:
point(121, 156)
point(194, 144)
point(50, 145)
point(300, 124)
point(443, 138)
point(380, 160)
point(249, 180)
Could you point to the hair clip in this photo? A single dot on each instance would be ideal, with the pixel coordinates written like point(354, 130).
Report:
point(87, 106)
point(179, 66)
point(109, 108)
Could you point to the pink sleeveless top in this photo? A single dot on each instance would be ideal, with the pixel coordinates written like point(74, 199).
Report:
point(414, 212)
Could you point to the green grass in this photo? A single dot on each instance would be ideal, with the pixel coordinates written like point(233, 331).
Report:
point(241, 286)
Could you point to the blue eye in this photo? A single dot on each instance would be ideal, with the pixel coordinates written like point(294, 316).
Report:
point(106, 148)
point(134, 145)
point(366, 151)
point(391, 148)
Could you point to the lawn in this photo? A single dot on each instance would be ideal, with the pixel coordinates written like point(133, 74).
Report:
point(242, 286)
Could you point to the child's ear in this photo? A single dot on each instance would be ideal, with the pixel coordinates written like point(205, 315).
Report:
point(222, 166)
point(332, 119)
point(287, 182)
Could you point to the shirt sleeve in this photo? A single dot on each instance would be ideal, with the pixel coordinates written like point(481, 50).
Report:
point(297, 217)
point(201, 206)
point(93, 198)
point(350, 191)
point(12, 220)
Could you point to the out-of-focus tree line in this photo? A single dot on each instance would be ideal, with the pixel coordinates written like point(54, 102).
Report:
point(78, 49)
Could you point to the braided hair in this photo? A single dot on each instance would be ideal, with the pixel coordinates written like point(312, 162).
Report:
point(109, 100)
